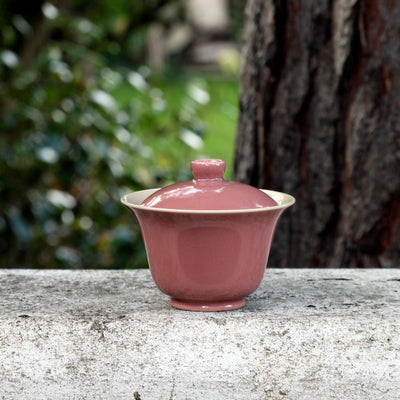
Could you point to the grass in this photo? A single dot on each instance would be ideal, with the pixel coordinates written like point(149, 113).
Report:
point(220, 118)
point(204, 104)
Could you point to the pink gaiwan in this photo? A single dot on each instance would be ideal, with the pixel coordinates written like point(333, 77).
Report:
point(207, 240)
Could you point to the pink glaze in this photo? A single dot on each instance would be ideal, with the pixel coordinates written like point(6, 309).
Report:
point(209, 191)
point(207, 259)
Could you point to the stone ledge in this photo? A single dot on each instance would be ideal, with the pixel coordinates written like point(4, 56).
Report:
point(305, 334)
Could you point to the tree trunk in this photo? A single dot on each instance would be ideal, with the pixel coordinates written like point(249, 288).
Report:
point(320, 119)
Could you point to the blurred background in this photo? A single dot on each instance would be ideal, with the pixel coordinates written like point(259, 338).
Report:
point(98, 99)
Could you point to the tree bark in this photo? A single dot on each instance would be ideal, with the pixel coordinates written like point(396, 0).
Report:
point(320, 119)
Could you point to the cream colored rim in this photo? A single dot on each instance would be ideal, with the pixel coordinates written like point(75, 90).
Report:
point(133, 200)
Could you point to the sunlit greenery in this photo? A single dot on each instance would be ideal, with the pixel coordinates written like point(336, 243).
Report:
point(81, 124)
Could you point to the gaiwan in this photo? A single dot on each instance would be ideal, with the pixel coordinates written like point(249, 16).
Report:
point(207, 240)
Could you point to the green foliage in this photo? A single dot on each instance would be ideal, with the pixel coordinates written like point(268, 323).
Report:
point(202, 110)
point(77, 132)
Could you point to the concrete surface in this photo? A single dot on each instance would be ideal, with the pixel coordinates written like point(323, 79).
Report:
point(305, 334)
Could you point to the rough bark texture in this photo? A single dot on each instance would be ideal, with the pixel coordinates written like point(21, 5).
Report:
point(320, 119)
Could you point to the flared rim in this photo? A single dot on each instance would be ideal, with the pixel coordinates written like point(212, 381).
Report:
point(133, 200)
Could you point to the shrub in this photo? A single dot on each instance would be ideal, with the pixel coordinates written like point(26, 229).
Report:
point(69, 148)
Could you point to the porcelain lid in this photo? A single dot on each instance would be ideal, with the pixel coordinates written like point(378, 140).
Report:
point(209, 191)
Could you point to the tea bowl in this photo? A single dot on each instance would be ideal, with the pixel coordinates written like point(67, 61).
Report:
point(208, 240)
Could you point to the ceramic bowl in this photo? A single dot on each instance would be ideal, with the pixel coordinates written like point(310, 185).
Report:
point(207, 259)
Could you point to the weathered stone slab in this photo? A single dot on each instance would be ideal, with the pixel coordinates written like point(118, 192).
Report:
point(305, 334)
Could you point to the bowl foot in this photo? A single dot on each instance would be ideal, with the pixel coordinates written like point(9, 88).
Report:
point(208, 306)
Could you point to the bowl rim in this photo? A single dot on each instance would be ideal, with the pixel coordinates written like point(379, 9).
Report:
point(284, 201)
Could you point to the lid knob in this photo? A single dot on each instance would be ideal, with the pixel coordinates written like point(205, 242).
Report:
point(207, 169)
